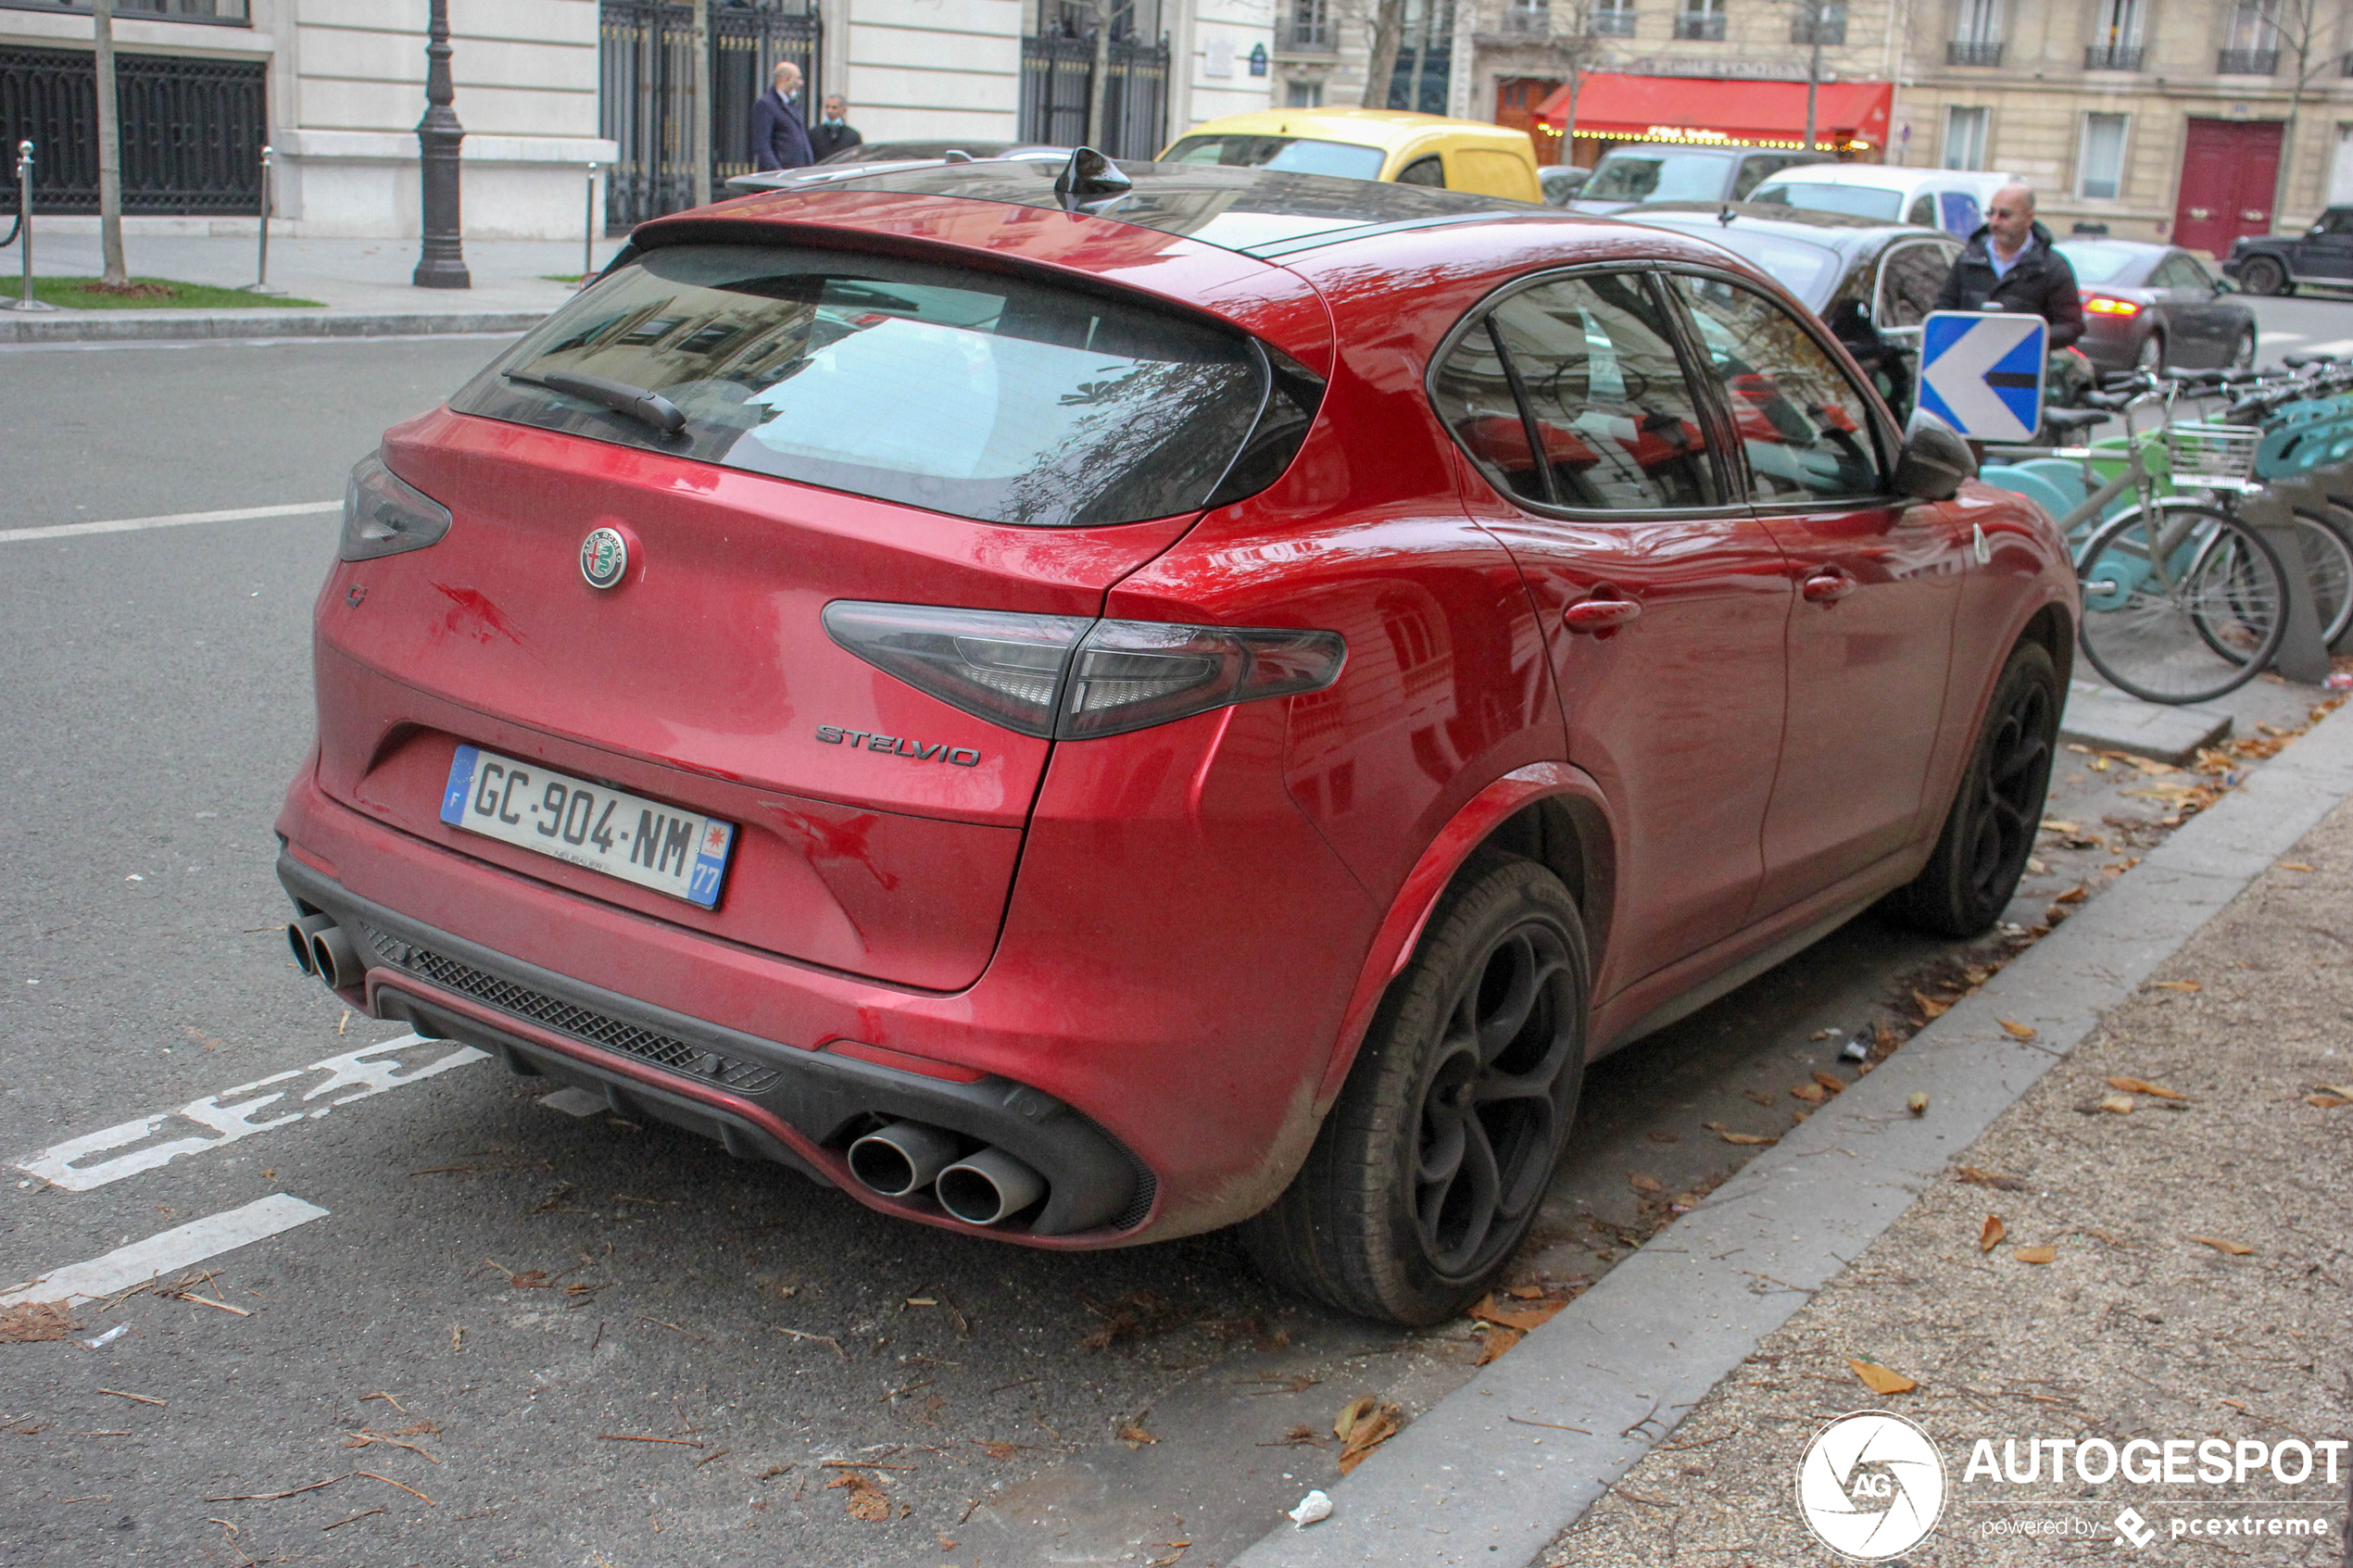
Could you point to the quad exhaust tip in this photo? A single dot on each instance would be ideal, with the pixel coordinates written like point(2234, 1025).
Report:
point(321, 948)
point(902, 1160)
point(990, 1186)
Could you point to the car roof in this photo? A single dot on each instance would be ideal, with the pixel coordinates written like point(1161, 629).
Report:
point(1883, 177)
point(1833, 229)
point(1626, 149)
point(1259, 212)
point(1369, 128)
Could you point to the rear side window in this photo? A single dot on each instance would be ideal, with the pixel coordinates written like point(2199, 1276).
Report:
point(974, 394)
point(1607, 420)
point(1422, 171)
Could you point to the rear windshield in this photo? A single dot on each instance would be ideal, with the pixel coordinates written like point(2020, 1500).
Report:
point(1296, 154)
point(970, 392)
point(1863, 201)
point(1664, 176)
point(2096, 263)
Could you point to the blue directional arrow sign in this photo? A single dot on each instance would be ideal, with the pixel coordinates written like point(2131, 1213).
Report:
point(1982, 373)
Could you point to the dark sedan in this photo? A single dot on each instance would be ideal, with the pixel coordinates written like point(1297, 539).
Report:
point(2148, 307)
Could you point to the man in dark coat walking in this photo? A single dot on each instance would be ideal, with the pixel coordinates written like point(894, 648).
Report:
point(834, 133)
point(779, 139)
point(2010, 265)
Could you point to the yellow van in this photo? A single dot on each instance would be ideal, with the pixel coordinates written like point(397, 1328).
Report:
point(1412, 149)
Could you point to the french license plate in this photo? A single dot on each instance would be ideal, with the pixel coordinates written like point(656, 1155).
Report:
point(675, 852)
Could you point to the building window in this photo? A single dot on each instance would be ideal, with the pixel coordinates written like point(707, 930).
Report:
point(1700, 19)
point(1965, 137)
point(1818, 21)
point(1303, 95)
point(2254, 47)
point(1612, 18)
point(1306, 27)
point(1977, 34)
point(2115, 44)
point(2341, 167)
point(2102, 166)
point(1528, 19)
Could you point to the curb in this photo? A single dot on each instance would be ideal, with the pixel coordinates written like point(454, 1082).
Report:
point(1605, 1381)
point(141, 326)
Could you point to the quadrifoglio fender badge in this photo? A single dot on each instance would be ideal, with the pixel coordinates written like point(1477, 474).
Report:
point(900, 746)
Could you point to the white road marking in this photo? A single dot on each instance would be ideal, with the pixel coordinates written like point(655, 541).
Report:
point(574, 1102)
point(2334, 345)
point(173, 520)
point(175, 1248)
point(369, 1070)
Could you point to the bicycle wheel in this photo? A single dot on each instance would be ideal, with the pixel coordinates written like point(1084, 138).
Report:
point(2328, 557)
point(2181, 602)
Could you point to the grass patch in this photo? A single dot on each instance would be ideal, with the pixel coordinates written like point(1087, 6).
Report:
point(153, 294)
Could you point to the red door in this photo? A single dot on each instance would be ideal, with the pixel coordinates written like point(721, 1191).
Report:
point(2228, 170)
point(1515, 101)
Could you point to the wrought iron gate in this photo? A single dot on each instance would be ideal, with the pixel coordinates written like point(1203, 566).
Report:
point(192, 132)
point(1057, 74)
point(647, 79)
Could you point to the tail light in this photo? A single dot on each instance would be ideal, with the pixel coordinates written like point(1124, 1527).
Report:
point(2108, 304)
point(383, 514)
point(1063, 677)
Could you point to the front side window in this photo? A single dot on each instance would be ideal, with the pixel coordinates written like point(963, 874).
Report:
point(978, 394)
point(1606, 420)
point(1804, 425)
point(1910, 279)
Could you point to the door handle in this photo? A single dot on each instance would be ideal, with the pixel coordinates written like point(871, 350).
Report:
point(2252, 215)
point(1828, 586)
point(1600, 614)
point(2200, 212)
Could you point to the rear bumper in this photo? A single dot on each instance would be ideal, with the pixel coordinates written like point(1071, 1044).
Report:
point(761, 1099)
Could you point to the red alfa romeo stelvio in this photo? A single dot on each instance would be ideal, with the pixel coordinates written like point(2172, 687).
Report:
point(1088, 705)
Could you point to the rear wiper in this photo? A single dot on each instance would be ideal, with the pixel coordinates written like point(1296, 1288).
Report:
point(646, 408)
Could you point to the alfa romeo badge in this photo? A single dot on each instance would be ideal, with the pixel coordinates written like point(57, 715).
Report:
point(604, 557)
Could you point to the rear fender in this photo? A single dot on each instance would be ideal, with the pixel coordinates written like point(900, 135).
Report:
point(1393, 945)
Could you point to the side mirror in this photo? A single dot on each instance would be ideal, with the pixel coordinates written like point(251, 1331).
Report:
point(1933, 462)
point(2226, 285)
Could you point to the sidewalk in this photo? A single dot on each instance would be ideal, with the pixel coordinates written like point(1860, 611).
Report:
point(2202, 1286)
point(363, 285)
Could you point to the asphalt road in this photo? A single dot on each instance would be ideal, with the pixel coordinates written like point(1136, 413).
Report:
point(2302, 323)
point(520, 1335)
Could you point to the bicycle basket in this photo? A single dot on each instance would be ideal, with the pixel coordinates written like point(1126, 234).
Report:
point(2214, 455)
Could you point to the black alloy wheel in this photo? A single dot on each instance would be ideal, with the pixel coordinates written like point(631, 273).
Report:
point(1995, 814)
point(1430, 1168)
point(2262, 274)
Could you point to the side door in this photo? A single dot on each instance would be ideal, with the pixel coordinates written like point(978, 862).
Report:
point(2326, 253)
point(1664, 601)
point(1877, 583)
point(2185, 306)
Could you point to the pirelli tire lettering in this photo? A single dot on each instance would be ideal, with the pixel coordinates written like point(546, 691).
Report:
point(900, 746)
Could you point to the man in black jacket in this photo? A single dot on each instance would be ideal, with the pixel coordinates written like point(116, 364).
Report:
point(2010, 265)
point(833, 133)
point(779, 139)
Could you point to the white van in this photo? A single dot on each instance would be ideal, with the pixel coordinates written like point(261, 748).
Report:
point(1950, 199)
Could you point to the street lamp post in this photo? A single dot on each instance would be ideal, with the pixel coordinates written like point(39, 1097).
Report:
point(440, 262)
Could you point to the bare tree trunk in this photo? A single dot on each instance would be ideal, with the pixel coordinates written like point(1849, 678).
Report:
point(699, 126)
point(1813, 76)
point(1389, 31)
point(2301, 11)
point(109, 148)
point(1099, 84)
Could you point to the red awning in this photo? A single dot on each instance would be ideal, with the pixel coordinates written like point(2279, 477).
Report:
point(1686, 108)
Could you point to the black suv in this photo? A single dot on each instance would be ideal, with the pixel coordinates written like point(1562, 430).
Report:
point(2322, 254)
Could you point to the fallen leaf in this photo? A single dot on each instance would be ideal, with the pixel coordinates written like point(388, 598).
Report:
point(2177, 985)
point(1830, 1082)
point(2324, 1102)
point(2294, 866)
point(999, 1451)
point(1657, 1136)
point(2121, 1105)
point(2034, 1254)
point(2339, 1090)
point(2236, 1249)
point(1526, 1292)
point(1133, 1435)
point(1521, 1318)
point(1351, 1414)
point(867, 1499)
point(1176, 1551)
point(1640, 1182)
point(1370, 1433)
point(1930, 1007)
point(28, 1323)
point(2075, 895)
point(1746, 1140)
point(1880, 1379)
point(1916, 1104)
point(1498, 1340)
point(1812, 1094)
point(1977, 1176)
point(2016, 1030)
point(1759, 1096)
point(2052, 825)
point(2143, 1087)
point(1991, 1236)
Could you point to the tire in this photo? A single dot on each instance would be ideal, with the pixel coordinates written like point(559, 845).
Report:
point(2181, 602)
point(2263, 274)
point(1435, 1160)
point(1982, 850)
point(2328, 566)
point(2150, 360)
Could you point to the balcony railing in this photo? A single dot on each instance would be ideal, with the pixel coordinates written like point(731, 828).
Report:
point(1960, 54)
point(1806, 30)
point(1613, 24)
point(1307, 37)
point(1708, 28)
point(2112, 56)
point(2247, 62)
point(1524, 21)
